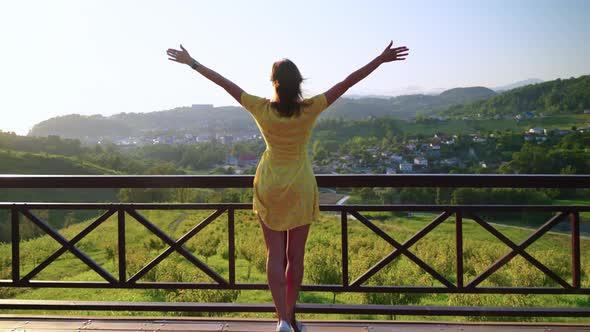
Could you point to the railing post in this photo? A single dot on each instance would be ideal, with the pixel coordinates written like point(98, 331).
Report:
point(459, 247)
point(15, 238)
point(344, 232)
point(121, 245)
point(575, 221)
point(232, 246)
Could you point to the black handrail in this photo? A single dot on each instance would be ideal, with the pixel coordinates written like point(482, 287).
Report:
point(323, 180)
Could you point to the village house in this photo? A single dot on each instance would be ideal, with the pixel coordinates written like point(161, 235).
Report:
point(434, 149)
point(231, 161)
point(421, 161)
point(561, 132)
point(450, 161)
point(225, 139)
point(538, 131)
point(203, 138)
point(396, 158)
point(126, 141)
point(449, 141)
point(479, 139)
point(406, 167)
point(247, 160)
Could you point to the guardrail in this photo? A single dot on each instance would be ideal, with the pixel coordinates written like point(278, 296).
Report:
point(23, 212)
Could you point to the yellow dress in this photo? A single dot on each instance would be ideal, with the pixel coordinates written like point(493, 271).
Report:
point(285, 189)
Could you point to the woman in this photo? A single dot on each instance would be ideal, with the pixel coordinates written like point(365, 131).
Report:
point(285, 190)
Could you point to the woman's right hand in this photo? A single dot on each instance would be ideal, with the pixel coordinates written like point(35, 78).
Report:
point(393, 54)
point(180, 56)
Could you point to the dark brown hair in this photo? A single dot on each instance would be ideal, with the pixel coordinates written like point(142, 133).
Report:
point(286, 80)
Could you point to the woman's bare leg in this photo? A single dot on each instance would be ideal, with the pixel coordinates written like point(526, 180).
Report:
point(296, 239)
point(275, 268)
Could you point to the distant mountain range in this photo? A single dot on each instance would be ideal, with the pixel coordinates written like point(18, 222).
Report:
point(207, 119)
point(517, 84)
point(416, 90)
point(405, 107)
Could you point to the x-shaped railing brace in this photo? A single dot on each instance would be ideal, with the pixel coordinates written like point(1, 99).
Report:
point(68, 245)
point(176, 246)
point(401, 249)
point(518, 250)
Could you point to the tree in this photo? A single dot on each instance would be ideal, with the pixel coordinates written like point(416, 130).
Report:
point(110, 254)
point(254, 252)
point(206, 246)
point(395, 273)
point(323, 265)
point(367, 194)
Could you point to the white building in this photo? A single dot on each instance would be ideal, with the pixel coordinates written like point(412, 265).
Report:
point(450, 141)
point(537, 131)
point(479, 139)
point(201, 106)
point(406, 167)
point(421, 161)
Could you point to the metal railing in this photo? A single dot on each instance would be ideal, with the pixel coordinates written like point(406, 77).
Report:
point(23, 212)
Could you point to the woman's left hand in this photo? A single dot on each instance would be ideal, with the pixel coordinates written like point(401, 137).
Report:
point(180, 56)
point(394, 54)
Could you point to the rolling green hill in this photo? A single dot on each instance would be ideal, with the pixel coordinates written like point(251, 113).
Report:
point(234, 119)
point(552, 97)
point(13, 162)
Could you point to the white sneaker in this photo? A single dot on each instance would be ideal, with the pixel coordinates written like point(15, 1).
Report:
point(300, 326)
point(283, 326)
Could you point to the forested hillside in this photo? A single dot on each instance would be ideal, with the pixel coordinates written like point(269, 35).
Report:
point(553, 97)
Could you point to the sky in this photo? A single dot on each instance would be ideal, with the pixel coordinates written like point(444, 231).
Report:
point(104, 57)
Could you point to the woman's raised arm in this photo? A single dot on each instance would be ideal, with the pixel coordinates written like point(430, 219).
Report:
point(388, 55)
point(182, 56)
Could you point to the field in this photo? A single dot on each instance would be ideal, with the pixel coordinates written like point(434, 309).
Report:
point(474, 126)
point(322, 261)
